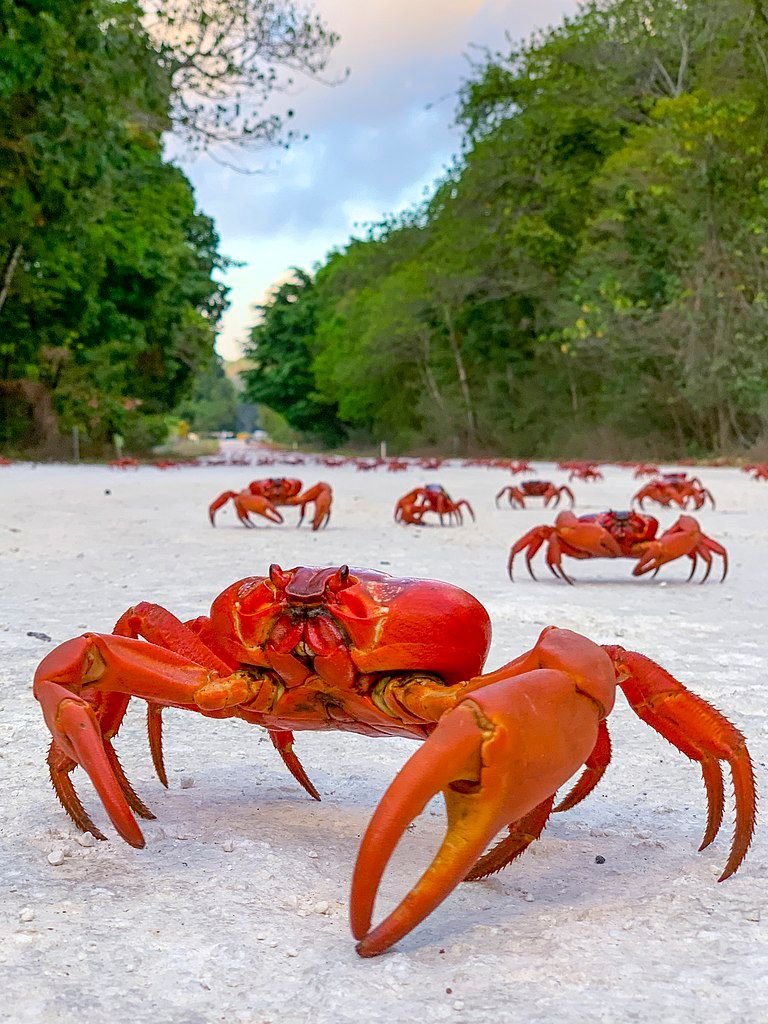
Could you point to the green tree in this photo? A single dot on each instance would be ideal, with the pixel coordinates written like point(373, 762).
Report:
point(280, 350)
point(212, 404)
point(589, 276)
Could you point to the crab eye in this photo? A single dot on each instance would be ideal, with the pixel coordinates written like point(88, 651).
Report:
point(339, 580)
point(277, 576)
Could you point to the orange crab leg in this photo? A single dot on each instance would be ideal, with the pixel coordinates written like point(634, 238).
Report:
point(70, 704)
point(322, 495)
point(530, 543)
point(244, 503)
point(698, 730)
point(682, 538)
point(594, 769)
point(159, 626)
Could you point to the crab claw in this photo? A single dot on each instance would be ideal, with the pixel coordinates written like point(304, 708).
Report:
point(497, 755)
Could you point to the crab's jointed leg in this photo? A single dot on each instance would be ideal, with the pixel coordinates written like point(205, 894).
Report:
point(700, 732)
point(322, 496)
point(684, 537)
point(245, 503)
point(87, 681)
point(193, 640)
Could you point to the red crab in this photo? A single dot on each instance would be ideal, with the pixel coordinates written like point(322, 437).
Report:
point(619, 535)
point(124, 463)
point(262, 496)
point(588, 472)
point(414, 505)
point(646, 469)
point(674, 489)
point(363, 652)
point(535, 489)
point(759, 472)
point(521, 466)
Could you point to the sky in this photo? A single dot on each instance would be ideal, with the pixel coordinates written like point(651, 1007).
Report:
point(376, 142)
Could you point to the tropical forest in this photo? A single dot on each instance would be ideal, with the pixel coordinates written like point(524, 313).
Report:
point(590, 276)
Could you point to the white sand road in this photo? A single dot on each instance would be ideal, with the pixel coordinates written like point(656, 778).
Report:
point(236, 911)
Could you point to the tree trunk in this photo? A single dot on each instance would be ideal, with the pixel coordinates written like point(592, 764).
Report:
point(45, 434)
point(429, 376)
point(10, 269)
point(461, 373)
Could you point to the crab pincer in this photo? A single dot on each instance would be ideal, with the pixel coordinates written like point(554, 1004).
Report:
point(501, 753)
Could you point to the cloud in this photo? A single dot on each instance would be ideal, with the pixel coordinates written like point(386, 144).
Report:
point(375, 141)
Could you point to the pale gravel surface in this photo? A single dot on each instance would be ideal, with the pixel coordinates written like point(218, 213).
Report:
point(237, 909)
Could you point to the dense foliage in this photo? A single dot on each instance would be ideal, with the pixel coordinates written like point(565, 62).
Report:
point(589, 278)
point(108, 299)
point(212, 404)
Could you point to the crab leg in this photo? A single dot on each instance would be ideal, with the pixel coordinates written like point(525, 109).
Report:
point(322, 496)
point(245, 503)
point(594, 769)
point(75, 679)
point(460, 504)
point(159, 626)
point(702, 734)
point(683, 538)
point(530, 543)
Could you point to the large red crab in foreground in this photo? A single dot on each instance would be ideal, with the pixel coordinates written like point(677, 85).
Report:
point(364, 652)
point(413, 506)
point(517, 493)
point(619, 535)
point(261, 497)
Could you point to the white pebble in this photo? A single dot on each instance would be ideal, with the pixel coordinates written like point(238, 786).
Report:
point(321, 907)
point(187, 782)
point(312, 854)
point(528, 898)
point(458, 1004)
point(86, 839)
point(291, 952)
point(56, 857)
point(228, 846)
point(27, 915)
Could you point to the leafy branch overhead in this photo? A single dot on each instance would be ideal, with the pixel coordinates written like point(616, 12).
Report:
point(228, 58)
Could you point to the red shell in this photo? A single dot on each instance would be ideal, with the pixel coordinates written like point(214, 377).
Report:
point(392, 624)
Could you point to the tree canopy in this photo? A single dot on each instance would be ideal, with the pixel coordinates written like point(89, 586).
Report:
point(589, 277)
point(109, 299)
